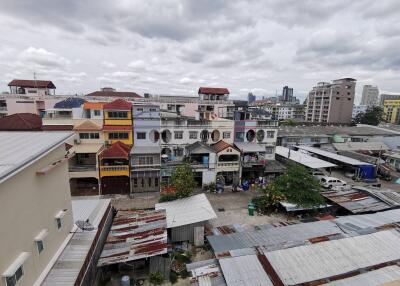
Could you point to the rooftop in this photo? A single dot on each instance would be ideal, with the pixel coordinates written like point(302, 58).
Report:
point(32, 83)
point(222, 145)
point(21, 149)
point(118, 104)
point(135, 235)
point(110, 93)
point(21, 122)
point(187, 211)
point(213, 90)
point(116, 150)
point(87, 125)
point(285, 131)
point(145, 150)
point(302, 158)
point(69, 103)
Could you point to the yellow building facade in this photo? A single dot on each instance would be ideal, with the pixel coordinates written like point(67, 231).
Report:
point(391, 109)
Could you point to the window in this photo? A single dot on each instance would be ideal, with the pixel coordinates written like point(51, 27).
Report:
point(135, 182)
point(59, 223)
point(96, 112)
point(240, 135)
point(39, 245)
point(118, 114)
point(178, 134)
point(141, 135)
point(145, 160)
point(226, 135)
point(139, 109)
point(193, 134)
point(269, 150)
point(118, 135)
point(142, 182)
point(155, 182)
point(12, 280)
point(270, 134)
point(153, 109)
point(89, 135)
point(149, 180)
point(178, 152)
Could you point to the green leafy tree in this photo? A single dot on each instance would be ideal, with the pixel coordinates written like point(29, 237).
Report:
point(298, 186)
point(372, 116)
point(157, 278)
point(182, 179)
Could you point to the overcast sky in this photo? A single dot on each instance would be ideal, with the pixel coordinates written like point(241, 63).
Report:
point(173, 47)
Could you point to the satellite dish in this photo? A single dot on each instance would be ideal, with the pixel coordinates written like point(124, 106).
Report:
point(84, 225)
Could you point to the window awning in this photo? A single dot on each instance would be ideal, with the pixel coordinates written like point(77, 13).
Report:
point(42, 235)
point(249, 147)
point(10, 271)
point(87, 148)
point(60, 214)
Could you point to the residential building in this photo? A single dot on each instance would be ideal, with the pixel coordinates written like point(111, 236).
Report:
point(391, 109)
point(32, 87)
point(370, 95)
point(202, 159)
point(114, 169)
point(146, 153)
point(35, 202)
point(117, 124)
point(385, 96)
point(331, 102)
point(358, 109)
point(64, 115)
point(84, 165)
point(286, 111)
point(210, 98)
point(228, 168)
point(108, 93)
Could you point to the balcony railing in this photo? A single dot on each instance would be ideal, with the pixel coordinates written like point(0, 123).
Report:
point(82, 168)
point(114, 168)
point(3, 108)
point(228, 164)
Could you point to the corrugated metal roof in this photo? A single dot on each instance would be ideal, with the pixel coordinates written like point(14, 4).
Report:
point(301, 158)
point(359, 200)
point(135, 235)
point(273, 238)
point(330, 258)
point(244, 270)
point(371, 278)
point(359, 223)
point(186, 211)
point(334, 156)
point(249, 147)
point(20, 149)
point(356, 146)
point(206, 273)
point(67, 267)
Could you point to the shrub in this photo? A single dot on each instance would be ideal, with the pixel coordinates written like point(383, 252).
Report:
point(173, 277)
point(156, 278)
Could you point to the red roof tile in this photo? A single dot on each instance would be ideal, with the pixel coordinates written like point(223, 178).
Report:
point(57, 127)
point(116, 150)
point(115, 94)
point(116, 127)
point(222, 145)
point(21, 122)
point(213, 90)
point(32, 83)
point(118, 104)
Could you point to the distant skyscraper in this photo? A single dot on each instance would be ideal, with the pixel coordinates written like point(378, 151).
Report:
point(370, 95)
point(287, 94)
point(251, 98)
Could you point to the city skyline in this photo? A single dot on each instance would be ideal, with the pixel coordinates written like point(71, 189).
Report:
point(175, 47)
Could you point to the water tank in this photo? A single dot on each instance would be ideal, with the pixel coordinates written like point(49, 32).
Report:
point(125, 281)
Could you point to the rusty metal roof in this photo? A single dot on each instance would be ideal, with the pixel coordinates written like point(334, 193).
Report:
point(135, 235)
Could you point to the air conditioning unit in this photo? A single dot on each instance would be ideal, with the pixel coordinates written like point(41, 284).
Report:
point(77, 141)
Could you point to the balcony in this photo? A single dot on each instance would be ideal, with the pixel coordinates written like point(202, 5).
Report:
point(83, 171)
point(114, 171)
point(82, 168)
point(253, 162)
point(228, 164)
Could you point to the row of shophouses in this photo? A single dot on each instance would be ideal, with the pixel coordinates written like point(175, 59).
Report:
point(126, 147)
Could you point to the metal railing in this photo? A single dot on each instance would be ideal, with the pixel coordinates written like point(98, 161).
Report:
point(114, 168)
point(82, 168)
point(228, 164)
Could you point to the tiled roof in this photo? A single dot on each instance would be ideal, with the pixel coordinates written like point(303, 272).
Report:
point(118, 104)
point(21, 122)
point(57, 127)
point(116, 127)
point(32, 83)
point(93, 105)
point(222, 145)
point(87, 125)
point(213, 90)
point(114, 94)
point(116, 150)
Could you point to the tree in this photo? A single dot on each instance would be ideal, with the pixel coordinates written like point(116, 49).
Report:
point(157, 278)
point(372, 116)
point(182, 180)
point(298, 186)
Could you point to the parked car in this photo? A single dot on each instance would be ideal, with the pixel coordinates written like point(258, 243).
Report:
point(318, 174)
point(329, 182)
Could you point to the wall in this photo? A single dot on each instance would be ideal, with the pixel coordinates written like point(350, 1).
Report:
point(28, 204)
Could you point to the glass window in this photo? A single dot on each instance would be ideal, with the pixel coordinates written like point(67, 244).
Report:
point(118, 135)
point(135, 183)
point(240, 135)
point(96, 112)
point(193, 134)
point(141, 135)
point(118, 114)
point(155, 182)
point(59, 223)
point(149, 180)
point(226, 135)
point(178, 134)
point(39, 245)
point(153, 109)
point(270, 134)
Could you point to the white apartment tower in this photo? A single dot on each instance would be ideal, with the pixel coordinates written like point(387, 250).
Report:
point(370, 95)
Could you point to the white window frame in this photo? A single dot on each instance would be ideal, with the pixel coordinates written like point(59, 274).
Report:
point(40, 239)
point(14, 268)
point(59, 218)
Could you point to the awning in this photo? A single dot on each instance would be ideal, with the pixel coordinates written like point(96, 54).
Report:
point(145, 150)
point(10, 271)
point(249, 147)
point(87, 148)
point(42, 235)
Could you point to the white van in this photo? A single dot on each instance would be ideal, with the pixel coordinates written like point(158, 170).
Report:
point(329, 182)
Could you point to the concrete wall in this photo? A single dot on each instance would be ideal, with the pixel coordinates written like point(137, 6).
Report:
point(28, 204)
